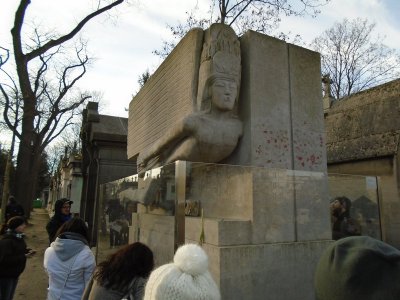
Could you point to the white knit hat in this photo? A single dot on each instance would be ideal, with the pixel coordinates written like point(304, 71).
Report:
point(186, 278)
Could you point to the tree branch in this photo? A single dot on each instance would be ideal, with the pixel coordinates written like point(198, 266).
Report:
point(52, 43)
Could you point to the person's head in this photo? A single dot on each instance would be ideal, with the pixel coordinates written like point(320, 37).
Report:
point(358, 267)
point(187, 277)
point(63, 207)
point(75, 225)
point(341, 205)
point(16, 224)
point(118, 270)
point(12, 200)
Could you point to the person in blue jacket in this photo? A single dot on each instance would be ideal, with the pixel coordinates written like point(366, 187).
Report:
point(69, 262)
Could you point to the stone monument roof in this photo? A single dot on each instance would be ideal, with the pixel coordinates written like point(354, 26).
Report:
point(364, 125)
point(110, 128)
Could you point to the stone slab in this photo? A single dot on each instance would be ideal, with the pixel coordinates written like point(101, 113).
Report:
point(278, 271)
point(281, 106)
point(218, 232)
point(169, 94)
point(264, 103)
point(157, 232)
point(309, 151)
point(282, 205)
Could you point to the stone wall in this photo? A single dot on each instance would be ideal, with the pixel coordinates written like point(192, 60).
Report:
point(364, 125)
point(363, 138)
point(169, 95)
point(280, 104)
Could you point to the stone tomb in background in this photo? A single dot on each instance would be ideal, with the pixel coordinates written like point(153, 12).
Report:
point(266, 219)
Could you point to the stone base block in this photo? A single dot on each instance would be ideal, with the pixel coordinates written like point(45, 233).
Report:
point(280, 271)
point(219, 232)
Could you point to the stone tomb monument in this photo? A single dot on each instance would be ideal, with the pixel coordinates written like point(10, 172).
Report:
point(251, 109)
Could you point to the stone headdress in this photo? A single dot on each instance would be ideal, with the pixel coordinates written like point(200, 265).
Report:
point(220, 58)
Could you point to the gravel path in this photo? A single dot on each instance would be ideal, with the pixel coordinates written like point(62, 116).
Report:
point(32, 283)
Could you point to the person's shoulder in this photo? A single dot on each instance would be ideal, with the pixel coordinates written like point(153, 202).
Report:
point(86, 257)
point(4, 239)
point(87, 252)
point(55, 219)
point(140, 281)
point(7, 237)
point(49, 251)
point(11, 240)
point(190, 121)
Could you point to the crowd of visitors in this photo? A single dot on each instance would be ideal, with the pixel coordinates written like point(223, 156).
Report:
point(353, 267)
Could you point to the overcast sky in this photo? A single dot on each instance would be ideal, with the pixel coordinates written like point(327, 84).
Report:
point(123, 46)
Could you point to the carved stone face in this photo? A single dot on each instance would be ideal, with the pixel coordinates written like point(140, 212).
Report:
point(223, 94)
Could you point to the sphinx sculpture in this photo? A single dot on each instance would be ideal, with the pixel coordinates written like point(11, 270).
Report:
point(212, 131)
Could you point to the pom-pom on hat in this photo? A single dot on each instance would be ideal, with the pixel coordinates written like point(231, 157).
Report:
point(358, 267)
point(187, 278)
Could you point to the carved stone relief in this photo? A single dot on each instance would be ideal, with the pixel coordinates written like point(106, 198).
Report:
point(212, 131)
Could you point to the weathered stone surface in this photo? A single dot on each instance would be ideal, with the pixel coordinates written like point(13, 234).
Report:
point(169, 95)
point(282, 205)
point(364, 125)
point(228, 191)
point(307, 119)
point(280, 105)
point(275, 198)
point(278, 271)
point(363, 138)
point(158, 233)
point(264, 104)
point(219, 232)
point(211, 132)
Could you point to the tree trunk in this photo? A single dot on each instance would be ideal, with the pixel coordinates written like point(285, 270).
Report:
point(25, 159)
point(6, 188)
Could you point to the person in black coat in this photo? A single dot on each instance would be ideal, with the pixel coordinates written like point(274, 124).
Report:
point(13, 209)
point(13, 254)
point(62, 214)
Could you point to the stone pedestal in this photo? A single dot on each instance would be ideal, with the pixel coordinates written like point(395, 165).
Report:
point(266, 212)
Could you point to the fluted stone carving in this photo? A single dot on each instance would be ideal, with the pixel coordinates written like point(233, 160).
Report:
point(211, 132)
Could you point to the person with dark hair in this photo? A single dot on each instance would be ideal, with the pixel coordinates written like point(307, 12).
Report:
point(62, 214)
point(123, 275)
point(13, 254)
point(343, 224)
point(13, 209)
point(358, 267)
point(69, 262)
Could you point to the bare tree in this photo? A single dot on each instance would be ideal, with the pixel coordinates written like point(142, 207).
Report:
point(354, 59)
point(144, 77)
point(47, 108)
point(242, 15)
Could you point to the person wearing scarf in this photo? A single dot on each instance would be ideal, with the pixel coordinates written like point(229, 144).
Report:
point(13, 254)
point(69, 262)
point(62, 214)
